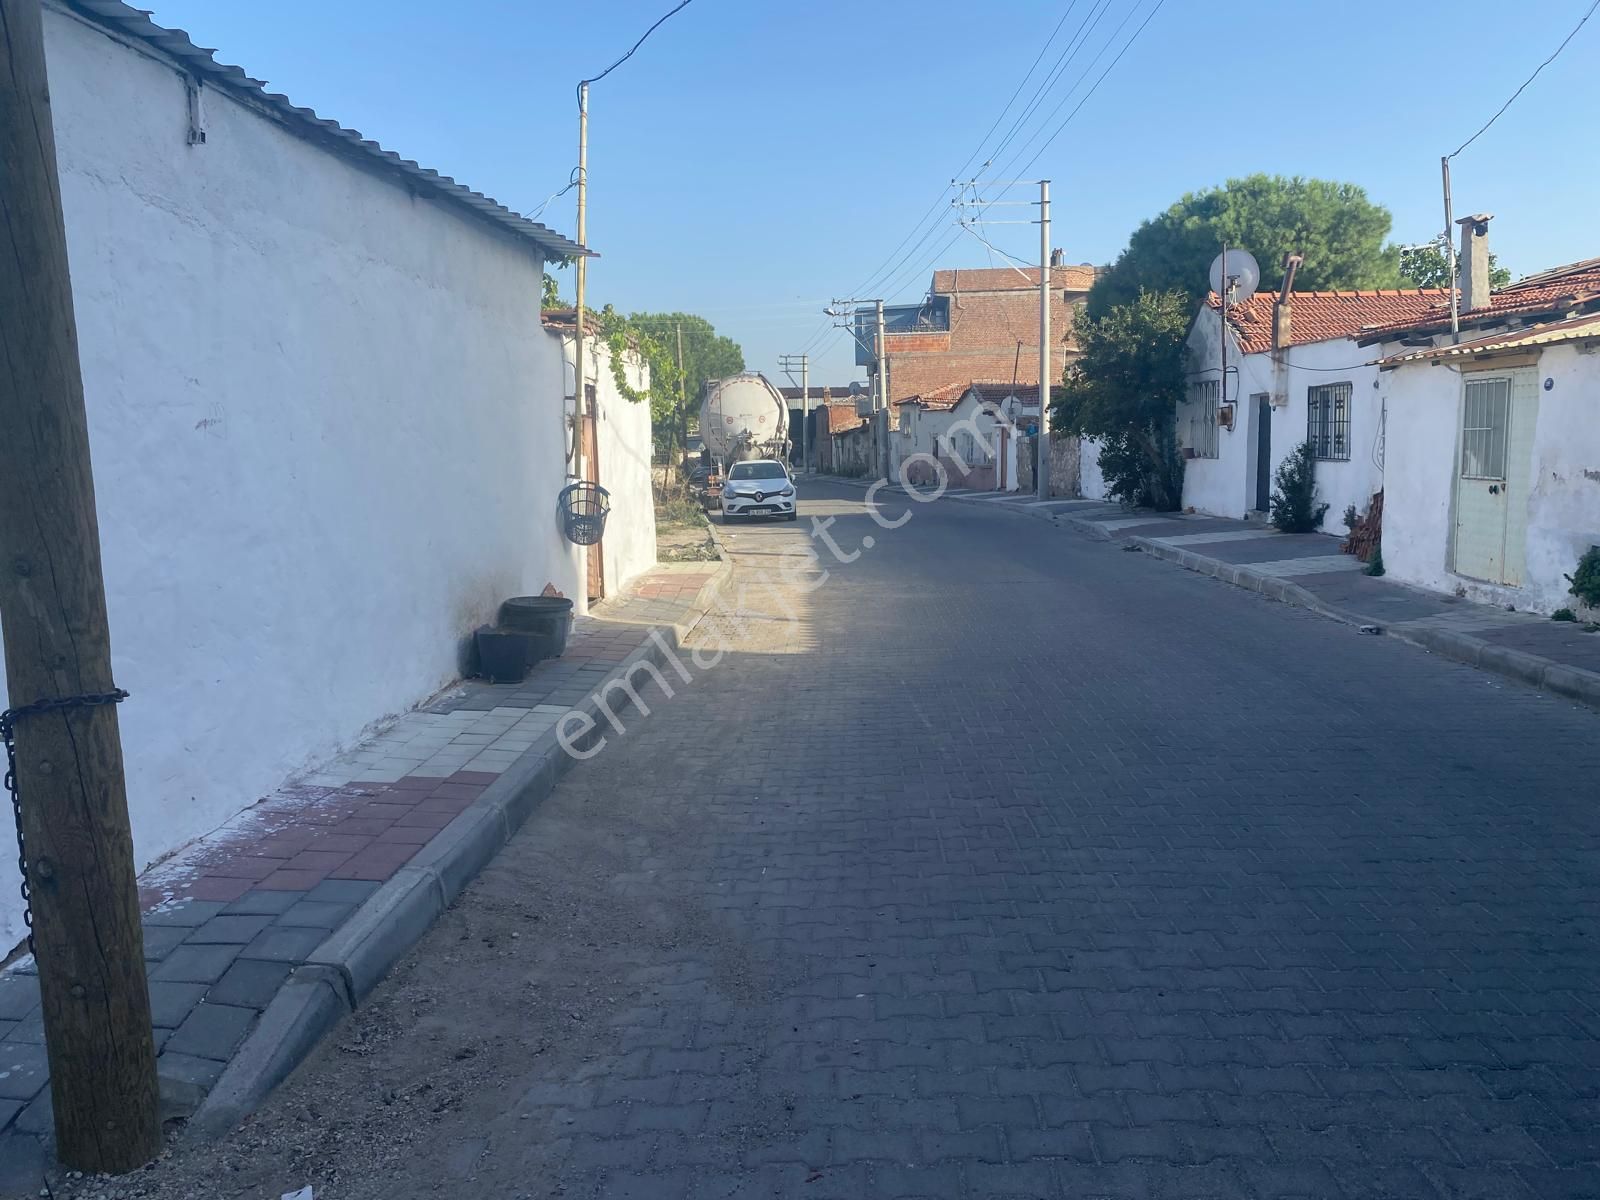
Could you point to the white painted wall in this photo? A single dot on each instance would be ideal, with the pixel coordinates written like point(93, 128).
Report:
point(1562, 513)
point(326, 428)
point(918, 428)
point(1092, 481)
point(1226, 485)
point(624, 448)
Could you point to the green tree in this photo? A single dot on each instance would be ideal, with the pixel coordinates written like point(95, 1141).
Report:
point(1125, 389)
point(552, 294)
point(1428, 266)
point(1338, 230)
point(673, 398)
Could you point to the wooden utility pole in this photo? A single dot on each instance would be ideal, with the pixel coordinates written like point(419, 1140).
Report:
point(78, 852)
point(683, 400)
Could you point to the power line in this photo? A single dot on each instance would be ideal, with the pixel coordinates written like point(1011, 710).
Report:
point(1009, 171)
point(572, 182)
point(1043, 50)
point(1063, 61)
point(659, 22)
point(929, 224)
point(1581, 22)
point(1117, 32)
point(1109, 67)
point(1021, 261)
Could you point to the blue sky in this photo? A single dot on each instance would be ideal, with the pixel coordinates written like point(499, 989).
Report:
point(755, 159)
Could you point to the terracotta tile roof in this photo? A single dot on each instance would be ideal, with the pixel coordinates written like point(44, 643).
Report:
point(990, 391)
point(1560, 289)
point(1078, 277)
point(566, 320)
point(939, 399)
point(1571, 330)
point(1323, 316)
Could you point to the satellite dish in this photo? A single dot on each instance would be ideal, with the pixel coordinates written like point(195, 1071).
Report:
point(1236, 271)
point(855, 387)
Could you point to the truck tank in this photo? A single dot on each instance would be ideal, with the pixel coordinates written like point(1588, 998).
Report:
point(744, 417)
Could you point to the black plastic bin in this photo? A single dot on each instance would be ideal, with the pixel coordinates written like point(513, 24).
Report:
point(547, 618)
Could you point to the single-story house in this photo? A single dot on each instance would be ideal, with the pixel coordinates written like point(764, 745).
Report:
point(1295, 374)
point(328, 426)
point(974, 430)
point(843, 439)
point(1492, 472)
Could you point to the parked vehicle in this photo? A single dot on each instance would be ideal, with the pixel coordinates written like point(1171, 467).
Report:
point(706, 486)
point(744, 418)
point(761, 487)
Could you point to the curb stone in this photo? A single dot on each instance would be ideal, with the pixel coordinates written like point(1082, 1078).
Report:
point(1572, 683)
point(343, 971)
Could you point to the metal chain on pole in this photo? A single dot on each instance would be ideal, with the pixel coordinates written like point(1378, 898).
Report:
point(8, 733)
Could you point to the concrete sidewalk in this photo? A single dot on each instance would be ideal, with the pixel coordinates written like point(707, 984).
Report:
point(1310, 571)
point(261, 936)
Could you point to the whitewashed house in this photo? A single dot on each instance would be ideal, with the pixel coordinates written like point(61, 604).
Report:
point(1295, 374)
point(619, 452)
point(327, 427)
point(1492, 479)
point(974, 430)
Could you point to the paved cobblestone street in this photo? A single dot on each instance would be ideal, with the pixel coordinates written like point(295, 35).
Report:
point(1014, 865)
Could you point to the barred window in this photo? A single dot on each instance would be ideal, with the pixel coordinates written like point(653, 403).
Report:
point(1201, 433)
point(1328, 421)
point(1486, 409)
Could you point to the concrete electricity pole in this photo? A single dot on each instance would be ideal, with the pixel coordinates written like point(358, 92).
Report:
point(1042, 468)
point(787, 364)
point(881, 416)
point(70, 798)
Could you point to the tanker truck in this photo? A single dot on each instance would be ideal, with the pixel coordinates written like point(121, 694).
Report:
point(743, 417)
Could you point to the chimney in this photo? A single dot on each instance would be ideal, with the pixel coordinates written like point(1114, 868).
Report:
point(1281, 315)
point(1473, 261)
point(1058, 258)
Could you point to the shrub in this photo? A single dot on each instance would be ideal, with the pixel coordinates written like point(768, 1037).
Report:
point(1563, 614)
point(1294, 503)
point(1375, 563)
point(1585, 580)
point(1143, 468)
point(1351, 517)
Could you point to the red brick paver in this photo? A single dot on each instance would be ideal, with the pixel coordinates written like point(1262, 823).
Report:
point(364, 831)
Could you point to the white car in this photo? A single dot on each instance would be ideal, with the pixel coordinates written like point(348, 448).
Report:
point(761, 487)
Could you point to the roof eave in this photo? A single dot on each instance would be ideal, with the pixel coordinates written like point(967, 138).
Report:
point(129, 22)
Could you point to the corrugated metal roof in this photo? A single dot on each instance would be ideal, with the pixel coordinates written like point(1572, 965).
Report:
point(136, 24)
point(1538, 335)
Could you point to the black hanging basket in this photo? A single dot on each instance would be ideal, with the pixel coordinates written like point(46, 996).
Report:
point(583, 507)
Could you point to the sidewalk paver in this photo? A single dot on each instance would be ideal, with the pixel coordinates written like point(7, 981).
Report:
point(228, 921)
point(1306, 569)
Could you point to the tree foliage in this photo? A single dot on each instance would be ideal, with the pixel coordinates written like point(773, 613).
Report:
point(1428, 266)
point(1125, 388)
point(552, 294)
point(1338, 230)
point(672, 396)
